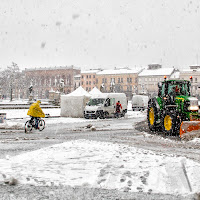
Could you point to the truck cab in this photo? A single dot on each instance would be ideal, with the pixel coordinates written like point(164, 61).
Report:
point(104, 105)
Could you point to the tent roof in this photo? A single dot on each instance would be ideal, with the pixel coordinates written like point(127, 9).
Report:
point(79, 92)
point(95, 91)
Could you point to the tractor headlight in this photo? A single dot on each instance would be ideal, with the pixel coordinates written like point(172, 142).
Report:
point(193, 104)
point(193, 108)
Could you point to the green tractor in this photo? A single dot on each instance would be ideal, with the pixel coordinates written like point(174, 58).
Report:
point(173, 105)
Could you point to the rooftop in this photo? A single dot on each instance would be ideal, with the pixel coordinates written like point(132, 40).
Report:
point(93, 71)
point(120, 71)
point(51, 68)
point(157, 72)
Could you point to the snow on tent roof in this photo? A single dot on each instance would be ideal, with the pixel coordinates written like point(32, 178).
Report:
point(156, 72)
point(95, 91)
point(79, 92)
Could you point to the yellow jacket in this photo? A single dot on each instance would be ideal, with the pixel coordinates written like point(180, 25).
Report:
point(35, 110)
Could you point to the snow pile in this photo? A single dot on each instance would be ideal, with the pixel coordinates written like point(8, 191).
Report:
point(105, 165)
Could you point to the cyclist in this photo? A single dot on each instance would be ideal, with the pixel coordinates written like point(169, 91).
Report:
point(35, 112)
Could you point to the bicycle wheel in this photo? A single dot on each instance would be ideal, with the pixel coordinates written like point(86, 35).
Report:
point(28, 126)
point(41, 124)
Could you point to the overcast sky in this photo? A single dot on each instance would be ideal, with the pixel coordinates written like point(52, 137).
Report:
point(99, 33)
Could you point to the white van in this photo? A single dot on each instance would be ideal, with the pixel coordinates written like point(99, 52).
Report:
point(104, 105)
point(140, 102)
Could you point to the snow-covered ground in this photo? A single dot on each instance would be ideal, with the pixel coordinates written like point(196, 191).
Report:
point(97, 164)
point(104, 165)
point(16, 118)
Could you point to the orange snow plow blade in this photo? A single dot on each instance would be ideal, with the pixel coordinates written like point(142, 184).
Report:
point(188, 126)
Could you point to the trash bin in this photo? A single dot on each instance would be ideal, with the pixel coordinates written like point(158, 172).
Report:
point(2, 117)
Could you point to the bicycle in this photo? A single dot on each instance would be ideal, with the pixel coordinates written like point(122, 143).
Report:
point(30, 124)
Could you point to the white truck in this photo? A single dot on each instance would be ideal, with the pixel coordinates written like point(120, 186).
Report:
point(139, 102)
point(104, 105)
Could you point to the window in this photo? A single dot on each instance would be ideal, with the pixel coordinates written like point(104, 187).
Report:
point(118, 80)
point(82, 76)
point(89, 82)
point(112, 101)
point(89, 76)
point(145, 79)
point(89, 89)
point(105, 80)
point(163, 90)
point(82, 83)
point(93, 76)
point(96, 80)
point(86, 88)
point(122, 80)
point(195, 80)
point(149, 79)
point(86, 82)
point(130, 80)
point(127, 80)
point(102, 80)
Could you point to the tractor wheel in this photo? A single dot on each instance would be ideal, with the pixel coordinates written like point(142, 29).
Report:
point(170, 123)
point(152, 116)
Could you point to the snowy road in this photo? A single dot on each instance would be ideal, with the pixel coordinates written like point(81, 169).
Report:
point(115, 154)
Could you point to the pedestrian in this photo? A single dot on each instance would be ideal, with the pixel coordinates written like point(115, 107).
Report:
point(35, 112)
point(118, 106)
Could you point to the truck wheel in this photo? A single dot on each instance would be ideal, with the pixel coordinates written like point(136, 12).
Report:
point(101, 115)
point(152, 116)
point(86, 116)
point(169, 123)
point(123, 113)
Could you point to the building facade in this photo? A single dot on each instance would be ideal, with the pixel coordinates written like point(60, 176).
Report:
point(77, 81)
point(89, 79)
point(148, 79)
point(43, 80)
point(118, 80)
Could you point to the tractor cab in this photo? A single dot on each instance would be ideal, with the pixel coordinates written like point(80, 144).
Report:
point(170, 90)
point(174, 87)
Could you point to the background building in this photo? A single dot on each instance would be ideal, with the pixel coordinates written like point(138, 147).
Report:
point(58, 79)
point(118, 80)
point(89, 79)
point(77, 81)
point(148, 79)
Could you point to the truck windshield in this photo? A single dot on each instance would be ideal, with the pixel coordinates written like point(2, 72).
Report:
point(95, 102)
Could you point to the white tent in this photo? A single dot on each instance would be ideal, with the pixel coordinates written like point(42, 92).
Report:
point(73, 104)
point(95, 91)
